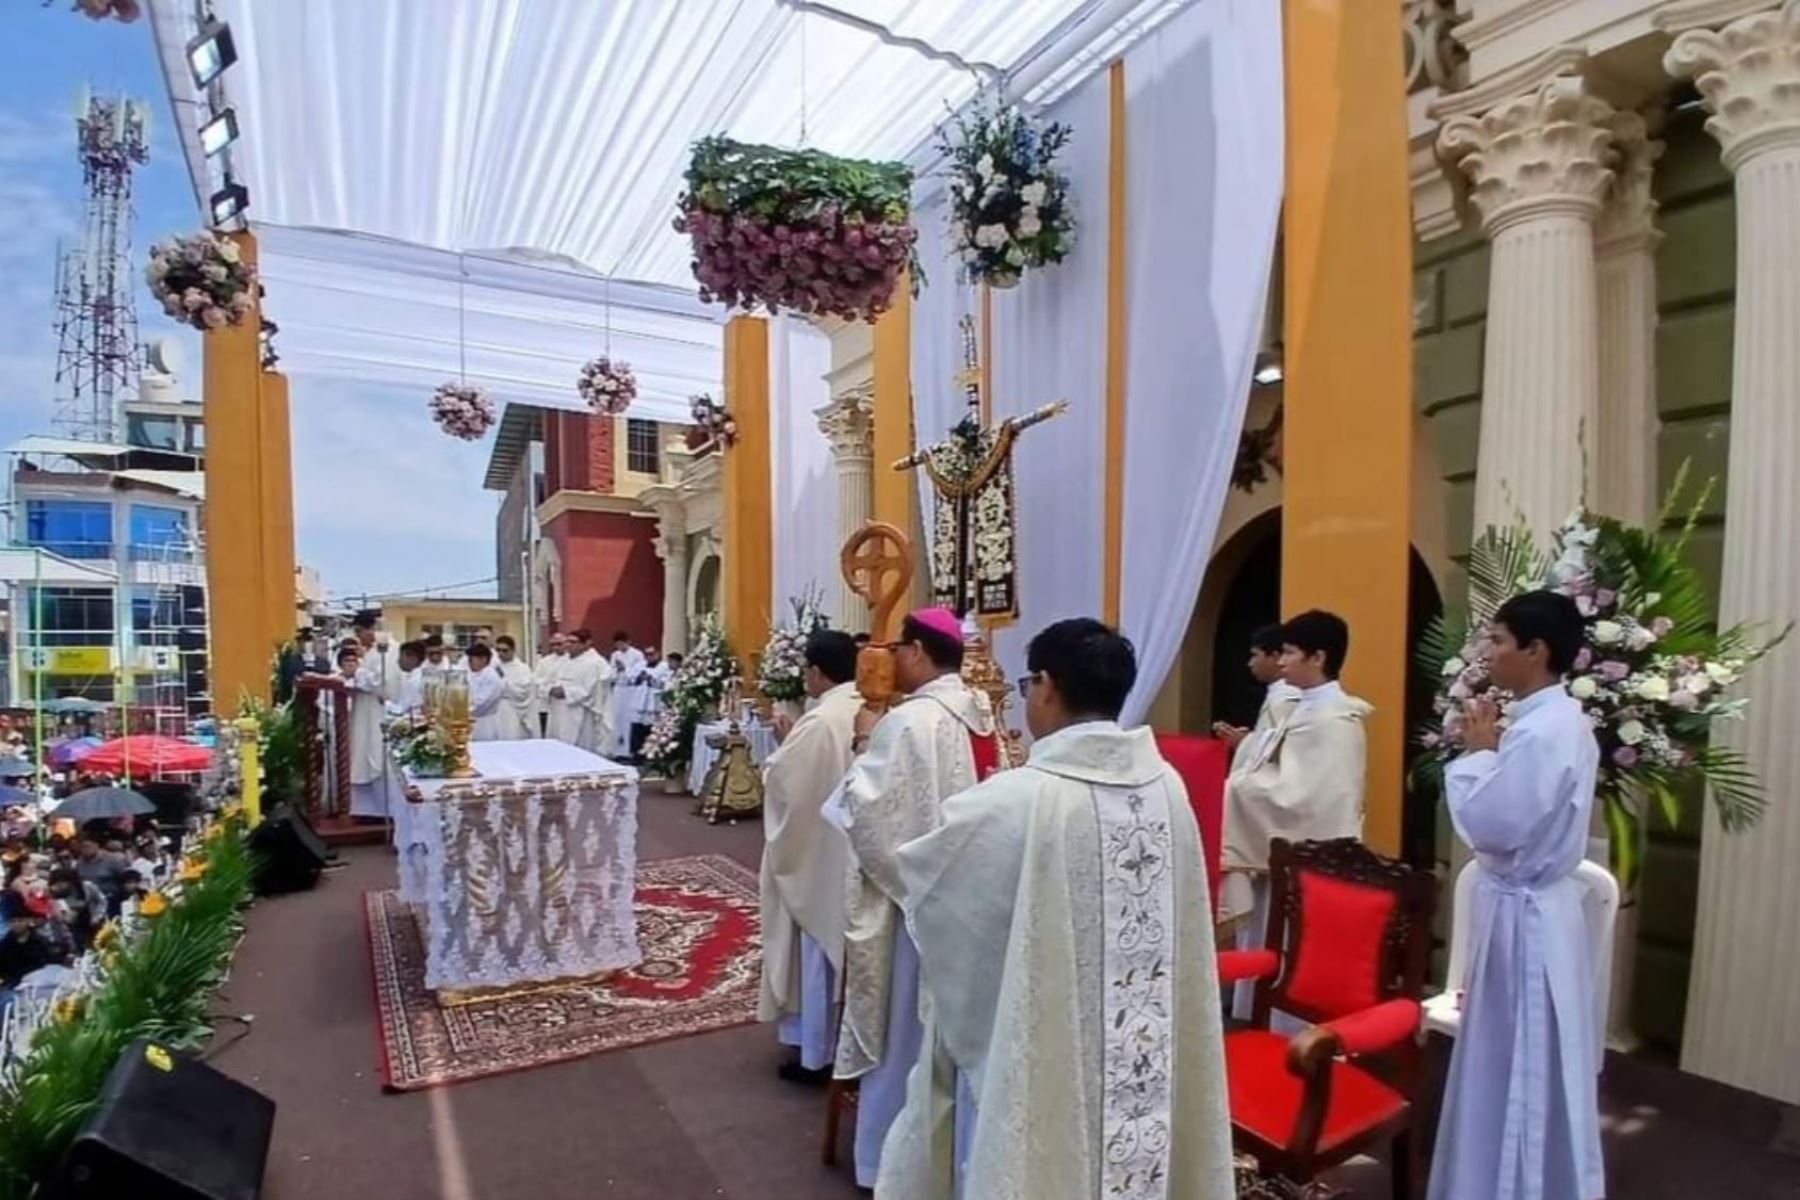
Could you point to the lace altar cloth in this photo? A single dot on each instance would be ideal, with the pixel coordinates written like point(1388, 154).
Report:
point(523, 874)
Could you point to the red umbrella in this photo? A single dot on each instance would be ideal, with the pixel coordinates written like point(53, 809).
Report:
point(147, 754)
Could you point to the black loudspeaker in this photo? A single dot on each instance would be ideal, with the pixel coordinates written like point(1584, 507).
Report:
point(290, 855)
point(169, 1127)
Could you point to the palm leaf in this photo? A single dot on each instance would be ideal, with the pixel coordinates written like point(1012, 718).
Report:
point(1498, 560)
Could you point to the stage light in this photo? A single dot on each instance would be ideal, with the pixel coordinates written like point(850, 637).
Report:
point(219, 132)
point(229, 203)
point(210, 52)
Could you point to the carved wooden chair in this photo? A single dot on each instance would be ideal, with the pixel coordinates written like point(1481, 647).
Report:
point(1348, 944)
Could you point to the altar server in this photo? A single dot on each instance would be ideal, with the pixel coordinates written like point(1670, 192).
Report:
point(410, 696)
point(520, 710)
point(1279, 698)
point(1304, 780)
point(804, 862)
point(925, 748)
point(1521, 1118)
point(544, 675)
point(1066, 964)
point(375, 684)
point(657, 674)
point(487, 694)
point(628, 666)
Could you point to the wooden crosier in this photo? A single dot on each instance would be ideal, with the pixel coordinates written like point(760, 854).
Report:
point(877, 563)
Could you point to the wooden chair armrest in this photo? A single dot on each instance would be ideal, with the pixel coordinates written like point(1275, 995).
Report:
point(1386, 1026)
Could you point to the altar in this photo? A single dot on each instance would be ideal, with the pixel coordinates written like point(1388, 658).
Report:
point(524, 873)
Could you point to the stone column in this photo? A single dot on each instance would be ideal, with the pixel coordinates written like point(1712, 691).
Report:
point(848, 424)
point(1622, 445)
point(671, 547)
point(1744, 994)
point(1539, 167)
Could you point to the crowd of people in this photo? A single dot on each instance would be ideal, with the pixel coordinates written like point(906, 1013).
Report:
point(1019, 966)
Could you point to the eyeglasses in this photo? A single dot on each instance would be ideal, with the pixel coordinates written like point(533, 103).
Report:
point(1025, 682)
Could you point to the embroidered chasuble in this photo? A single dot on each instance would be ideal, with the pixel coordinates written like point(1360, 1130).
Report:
point(920, 752)
point(1067, 973)
point(1303, 781)
point(973, 520)
point(804, 864)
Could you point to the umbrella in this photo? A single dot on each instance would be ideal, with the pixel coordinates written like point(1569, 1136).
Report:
point(75, 704)
point(17, 768)
point(147, 754)
point(10, 796)
point(103, 804)
point(66, 754)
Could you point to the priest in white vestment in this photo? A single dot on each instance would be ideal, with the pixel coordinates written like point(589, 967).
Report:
point(544, 675)
point(1279, 698)
point(377, 681)
point(1521, 1111)
point(805, 862)
point(487, 695)
point(922, 750)
point(1304, 781)
point(410, 696)
point(1066, 964)
point(520, 710)
point(628, 666)
point(579, 697)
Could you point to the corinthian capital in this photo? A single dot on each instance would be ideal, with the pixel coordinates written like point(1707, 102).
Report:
point(1747, 72)
point(848, 423)
point(1629, 216)
point(1544, 151)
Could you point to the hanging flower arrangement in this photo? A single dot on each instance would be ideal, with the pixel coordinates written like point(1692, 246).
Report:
point(123, 11)
point(462, 410)
point(712, 424)
point(1009, 205)
point(608, 385)
point(781, 671)
point(796, 229)
point(202, 279)
point(1653, 673)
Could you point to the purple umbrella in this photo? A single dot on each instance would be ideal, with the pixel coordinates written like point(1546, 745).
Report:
point(67, 754)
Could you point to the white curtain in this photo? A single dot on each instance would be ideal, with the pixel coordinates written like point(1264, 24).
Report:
point(805, 502)
point(1050, 344)
point(1204, 116)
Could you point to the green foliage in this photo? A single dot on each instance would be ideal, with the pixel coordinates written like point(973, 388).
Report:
point(726, 176)
point(160, 985)
point(282, 744)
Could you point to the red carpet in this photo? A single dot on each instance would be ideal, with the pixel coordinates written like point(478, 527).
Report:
point(698, 925)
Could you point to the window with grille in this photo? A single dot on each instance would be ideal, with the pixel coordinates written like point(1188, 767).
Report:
point(642, 452)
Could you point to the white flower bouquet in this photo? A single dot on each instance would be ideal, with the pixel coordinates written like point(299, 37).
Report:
point(781, 671)
point(462, 410)
point(202, 280)
point(697, 690)
point(1653, 675)
point(1009, 205)
point(608, 385)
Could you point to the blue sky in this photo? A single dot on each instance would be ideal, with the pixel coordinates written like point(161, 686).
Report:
point(384, 502)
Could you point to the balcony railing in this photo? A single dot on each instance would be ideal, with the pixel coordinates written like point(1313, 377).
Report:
point(69, 548)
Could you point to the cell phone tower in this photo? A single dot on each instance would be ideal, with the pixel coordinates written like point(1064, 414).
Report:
point(96, 319)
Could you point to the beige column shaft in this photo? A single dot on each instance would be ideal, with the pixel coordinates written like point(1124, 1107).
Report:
point(848, 424)
point(1622, 450)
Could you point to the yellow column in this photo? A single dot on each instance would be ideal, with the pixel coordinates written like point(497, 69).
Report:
point(250, 769)
point(1113, 550)
point(237, 617)
point(1347, 437)
point(748, 494)
point(895, 492)
point(277, 477)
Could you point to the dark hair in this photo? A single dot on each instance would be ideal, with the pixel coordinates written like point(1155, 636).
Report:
point(479, 650)
point(68, 875)
point(1093, 665)
point(1316, 630)
point(364, 619)
point(1267, 638)
point(432, 641)
point(348, 652)
point(506, 639)
point(861, 640)
point(833, 652)
point(1547, 617)
point(583, 635)
point(619, 635)
point(414, 647)
point(349, 644)
point(131, 875)
point(944, 651)
point(676, 656)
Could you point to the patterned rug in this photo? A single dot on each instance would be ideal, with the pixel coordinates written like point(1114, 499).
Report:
point(698, 925)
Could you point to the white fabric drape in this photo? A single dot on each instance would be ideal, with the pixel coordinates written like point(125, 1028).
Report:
point(805, 501)
point(1204, 118)
point(1050, 344)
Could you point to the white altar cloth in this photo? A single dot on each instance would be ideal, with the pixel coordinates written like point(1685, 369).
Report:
point(759, 735)
point(525, 873)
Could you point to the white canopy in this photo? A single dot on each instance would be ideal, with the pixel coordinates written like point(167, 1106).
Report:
point(505, 133)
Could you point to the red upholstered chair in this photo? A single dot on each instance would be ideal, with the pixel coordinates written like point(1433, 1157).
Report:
point(1349, 938)
point(1202, 763)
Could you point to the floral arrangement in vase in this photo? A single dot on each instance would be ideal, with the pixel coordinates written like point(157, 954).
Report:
point(607, 385)
point(1009, 205)
point(711, 422)
point(695, 693)
point(796, 229)
point(781, 671)
point(462, 410)
point(422, 746)
point(1653, 675)
point(202, 279)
